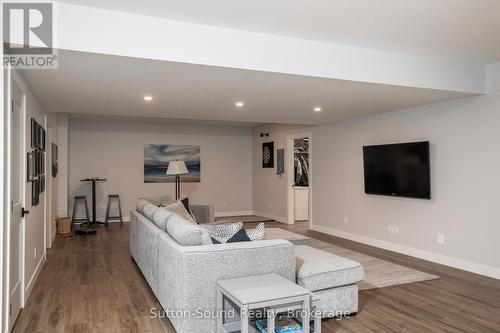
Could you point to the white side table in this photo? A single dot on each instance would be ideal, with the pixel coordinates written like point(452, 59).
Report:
point(269, 291)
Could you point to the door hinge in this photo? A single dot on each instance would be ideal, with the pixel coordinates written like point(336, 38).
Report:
point(10, 309)
point(12, 206)
point(12, 106)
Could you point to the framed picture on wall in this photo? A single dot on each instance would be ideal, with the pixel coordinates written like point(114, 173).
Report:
point(42, 162)
point(158, 156)
point(42, 183)
point(33, 133)
point(42, 138)
point(268, 154)
point(30, 172)
point(35, 195)
point(34, 155)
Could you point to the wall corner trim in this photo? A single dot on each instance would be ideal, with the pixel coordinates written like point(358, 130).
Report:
point(236, 213)
point(465, 265)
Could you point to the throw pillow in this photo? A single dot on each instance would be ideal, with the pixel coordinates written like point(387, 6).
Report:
point(222, 232)
point(141, 203)
point(149, 211)
point(160, 218)
point(187, 233)
point(178, 208)
point(258, 233)
point(161, 200)
point(186, 204)
point(240, 236)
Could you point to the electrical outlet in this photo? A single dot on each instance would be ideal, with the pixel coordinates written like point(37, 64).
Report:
point(34, 254)
point(392, 229)
point(440, 239)
point(346, 220)
point(270, 206)
point(224, 204)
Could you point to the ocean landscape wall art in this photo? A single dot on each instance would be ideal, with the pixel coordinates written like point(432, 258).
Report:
point(157, 157)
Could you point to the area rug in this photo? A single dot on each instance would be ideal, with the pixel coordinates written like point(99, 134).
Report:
point(243, 218)
point(295, 238)
point(378, 273)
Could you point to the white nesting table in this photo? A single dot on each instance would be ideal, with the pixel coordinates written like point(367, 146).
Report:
point(269, 291)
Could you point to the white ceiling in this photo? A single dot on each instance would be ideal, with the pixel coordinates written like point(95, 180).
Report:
point(88, 83)
point(455, 29)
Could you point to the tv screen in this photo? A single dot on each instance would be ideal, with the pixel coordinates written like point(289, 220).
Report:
point(400, 170)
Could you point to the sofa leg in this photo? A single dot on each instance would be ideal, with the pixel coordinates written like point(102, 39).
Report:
point(354, 314)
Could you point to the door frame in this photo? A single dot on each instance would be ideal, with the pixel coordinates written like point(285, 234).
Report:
point(10, 76)
point(5, 77)
point(290, 175)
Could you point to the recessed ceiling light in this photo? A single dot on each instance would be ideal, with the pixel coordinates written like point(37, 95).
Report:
point(317, 109)
point(239, 104)
point(148, 98)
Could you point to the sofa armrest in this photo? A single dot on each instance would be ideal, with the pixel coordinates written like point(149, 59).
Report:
point(203, 213)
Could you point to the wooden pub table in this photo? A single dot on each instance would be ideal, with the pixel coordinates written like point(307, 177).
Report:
point(270, 292)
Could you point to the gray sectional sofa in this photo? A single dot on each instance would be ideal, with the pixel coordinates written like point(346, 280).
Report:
point(183, 277)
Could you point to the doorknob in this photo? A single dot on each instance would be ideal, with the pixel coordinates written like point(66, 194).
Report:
point(24, 212)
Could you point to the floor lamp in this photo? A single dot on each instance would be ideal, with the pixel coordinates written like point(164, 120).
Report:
point(177, 168)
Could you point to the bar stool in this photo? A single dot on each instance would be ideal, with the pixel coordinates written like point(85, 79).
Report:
point(118, 217)
point(80, 199)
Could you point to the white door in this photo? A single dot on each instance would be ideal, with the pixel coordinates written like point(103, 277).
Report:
point(16, 189)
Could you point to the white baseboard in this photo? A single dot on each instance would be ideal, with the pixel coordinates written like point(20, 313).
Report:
point(465, 265)
point(237, 213)
point(271, 217)
point(103, 218)
point(34, 277)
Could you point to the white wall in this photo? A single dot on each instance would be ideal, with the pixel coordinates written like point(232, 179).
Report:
point(62, 179)
point(34, 223)
point(269, 188)
point(465, 164)
point(114, 148)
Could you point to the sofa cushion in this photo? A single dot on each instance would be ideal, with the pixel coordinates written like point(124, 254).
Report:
point(187, 233)
point(257, 233)
point(141, 203)
point(149, 210)
point(222, 232)
point(161, 200)
point(160, 218)
point(318, 270)
point(178, 208)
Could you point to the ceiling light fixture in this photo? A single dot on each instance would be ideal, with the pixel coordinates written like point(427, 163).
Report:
point(317, 109)
point(148, 98)
point(239, 104)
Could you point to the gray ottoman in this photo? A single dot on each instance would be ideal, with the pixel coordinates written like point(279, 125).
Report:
point(333, 278)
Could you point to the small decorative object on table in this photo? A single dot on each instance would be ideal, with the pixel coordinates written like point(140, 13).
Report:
point(281, 325)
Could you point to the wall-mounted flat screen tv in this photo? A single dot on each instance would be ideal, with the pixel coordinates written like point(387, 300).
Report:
point(400, 170)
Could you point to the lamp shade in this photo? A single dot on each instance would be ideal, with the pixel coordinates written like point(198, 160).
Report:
point(176, 168)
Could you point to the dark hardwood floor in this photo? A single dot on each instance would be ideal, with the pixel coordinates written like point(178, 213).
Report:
point(91, 284)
